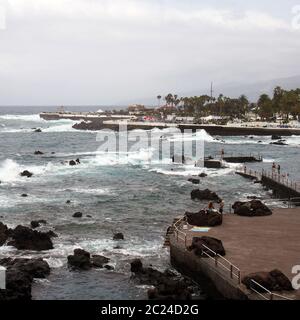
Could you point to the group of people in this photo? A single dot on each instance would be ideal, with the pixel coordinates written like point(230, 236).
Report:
point(211, 207)
point(276, 167)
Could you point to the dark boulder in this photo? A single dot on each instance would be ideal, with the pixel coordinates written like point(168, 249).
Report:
point(72, 163)
point(77, 161)
point(279, 143)
point(80, 260)
point(204, 195)
point(108, 267)
point(36, 223)
point(38, 152)
point(194, 181)
point(3, 233)
point(204, 219)
point(167, 285)
point(99, 261)
point(213, 244)
point(52, 234)
point(68, 201)
point(136, 266)
point(118, 236)
point(272, 281)
point(19, 276)
point(202, 175)
point(26, 173)
point(24, 195)
point(24, 238)
point(276, 137)
point(251, 208)
point(77, 215)
point(38, 130)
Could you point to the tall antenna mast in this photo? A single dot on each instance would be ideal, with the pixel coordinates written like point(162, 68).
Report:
point(211, 91)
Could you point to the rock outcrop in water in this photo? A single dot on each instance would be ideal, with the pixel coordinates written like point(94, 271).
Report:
point(19, 276)
point(26, 173)
point(204, 219)
point(274, 280)
point(213, 244)
point(82, 260)
point(194, 180)
point(24, 238)
point(38, 152)
point(251, 208)
point(118, 236)
point(3, 233)
point(36, 223)
point(77, 215)
point(167, 285)
point(204, 195)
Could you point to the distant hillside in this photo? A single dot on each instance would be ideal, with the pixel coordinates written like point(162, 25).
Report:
point(251, 90)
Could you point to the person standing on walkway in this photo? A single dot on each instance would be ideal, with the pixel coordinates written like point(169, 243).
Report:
point(273, 167)
point(221, 207)
point(278, 169)
point(222, 153)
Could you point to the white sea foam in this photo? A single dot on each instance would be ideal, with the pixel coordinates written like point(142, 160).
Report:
point(22, 117)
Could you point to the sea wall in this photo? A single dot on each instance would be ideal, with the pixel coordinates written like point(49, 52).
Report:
point(202, 272)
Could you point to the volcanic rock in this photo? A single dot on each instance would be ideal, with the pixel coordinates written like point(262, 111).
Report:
point(272, 281)
point(80, 260)
point(204, 195)
point(251, 209)
point(213, 244)
point(77, 215)
point(204, 219)
point(24, 238)
point(26, 173)
point(3, 233)
point(118, 236)
point(194, 181)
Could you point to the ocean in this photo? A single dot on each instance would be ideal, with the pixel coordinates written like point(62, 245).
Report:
point(131, 194)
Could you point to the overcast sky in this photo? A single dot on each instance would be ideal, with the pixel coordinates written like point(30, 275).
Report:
point(83, 52)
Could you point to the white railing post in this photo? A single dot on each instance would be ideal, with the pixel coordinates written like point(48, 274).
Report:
point(2, 278)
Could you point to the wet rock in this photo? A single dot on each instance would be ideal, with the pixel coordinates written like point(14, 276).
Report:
point(77, 161)
point(167, 286)
point(204, 195)
point(24, 238)
point(204, 219)
point(251, 209)
point(136, 266)
point(89, 216)
point(38, 130)
point(118, 236)
point(38, 152)
point(24, 195)
point(26, 173)
point(80, 260)
point(212, 243)
point(273, 281)
point(72, 163)
point(19, 276)
point(77, 215)
point(276, 137)
point(108, 267)
point(3, 233)
point(202, 175)
point(194, 181)
point(279, 143)
point(51, 234)
point(68, 201)
point(36, 223)
point(99, 261)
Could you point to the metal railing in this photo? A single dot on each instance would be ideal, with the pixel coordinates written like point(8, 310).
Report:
point(267, 295)
point(234, 272)
point(231, 271)
point(282, 179)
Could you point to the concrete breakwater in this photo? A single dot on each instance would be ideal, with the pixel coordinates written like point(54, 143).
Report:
point(97, 121)
point(211, 129)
